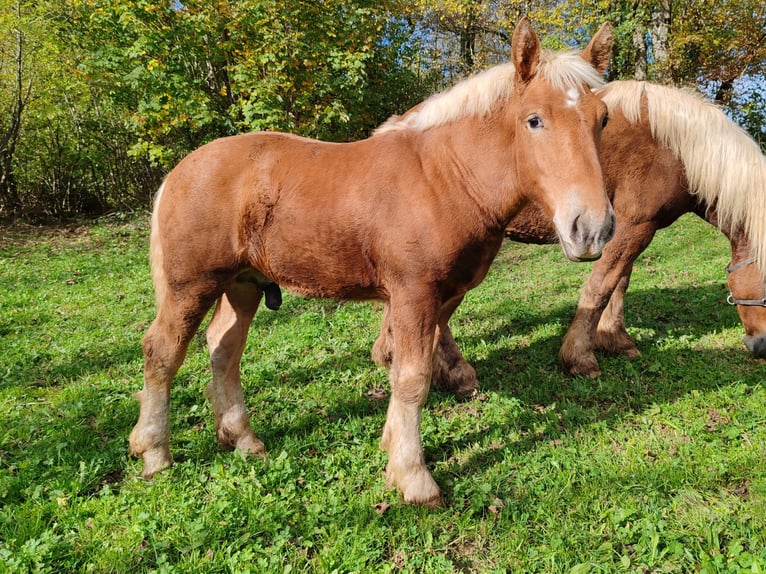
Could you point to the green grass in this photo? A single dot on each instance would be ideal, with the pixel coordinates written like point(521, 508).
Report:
point(656, 466)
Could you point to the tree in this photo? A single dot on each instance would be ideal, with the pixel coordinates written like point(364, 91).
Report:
point(718, 46)
point(189, 72)
point(16, 88)
point(718, 43)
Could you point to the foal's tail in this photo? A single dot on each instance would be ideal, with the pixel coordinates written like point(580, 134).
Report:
point(155, 253)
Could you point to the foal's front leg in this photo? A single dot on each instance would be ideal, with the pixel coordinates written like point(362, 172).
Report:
point(452, 373)
point(413, 328)
point(611, 334)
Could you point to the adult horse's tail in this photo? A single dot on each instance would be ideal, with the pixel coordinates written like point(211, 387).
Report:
point(724, 165)
point(155, 253)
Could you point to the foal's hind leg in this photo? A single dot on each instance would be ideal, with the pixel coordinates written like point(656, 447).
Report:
point(226, 337)
point(451, 372)
point(164, 345)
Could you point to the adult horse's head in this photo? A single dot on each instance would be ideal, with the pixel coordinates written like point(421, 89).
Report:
point(558, 129)
point(748, 292)
point(747, 286)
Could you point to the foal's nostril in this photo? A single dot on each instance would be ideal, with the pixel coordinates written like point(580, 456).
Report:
point(576, 231)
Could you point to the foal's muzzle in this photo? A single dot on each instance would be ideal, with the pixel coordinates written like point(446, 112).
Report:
point(586, 236)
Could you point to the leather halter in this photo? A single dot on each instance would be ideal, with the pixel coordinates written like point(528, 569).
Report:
point(731, 300)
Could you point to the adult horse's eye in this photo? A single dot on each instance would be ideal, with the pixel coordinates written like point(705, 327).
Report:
point(604, 121)
point(535, 122)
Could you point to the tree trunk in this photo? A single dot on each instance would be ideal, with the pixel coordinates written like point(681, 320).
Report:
point(723, 94)
point(639, 52)
point(467, 36)
point(658, 34)
point(10, 201)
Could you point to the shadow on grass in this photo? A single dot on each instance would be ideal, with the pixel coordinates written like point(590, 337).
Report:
point(663, 373)
point(529, 374)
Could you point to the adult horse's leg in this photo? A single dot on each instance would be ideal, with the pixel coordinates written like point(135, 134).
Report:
point(611, 333)
point(164, 345)
point(614, 267)
point(413, 327)
point(451, 372)
point(226, 337)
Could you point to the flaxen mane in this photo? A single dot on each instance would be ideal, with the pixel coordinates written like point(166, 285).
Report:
point(722, 162)
point(476, 95)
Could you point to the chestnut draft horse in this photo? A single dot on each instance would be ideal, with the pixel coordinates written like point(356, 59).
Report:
point(413, 217)
point(665, 152)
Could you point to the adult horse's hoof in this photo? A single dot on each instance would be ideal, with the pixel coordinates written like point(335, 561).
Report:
point(616, 342)
point(756, 346)
point(576, 355)
point(585, 364)
point(147, 443)
point(460, 381)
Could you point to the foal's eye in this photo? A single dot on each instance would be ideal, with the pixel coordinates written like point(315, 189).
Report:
point(604, 121)
point(535, 122)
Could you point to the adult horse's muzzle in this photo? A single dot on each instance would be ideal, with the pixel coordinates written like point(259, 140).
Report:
point(585, 237)
point(756, 345)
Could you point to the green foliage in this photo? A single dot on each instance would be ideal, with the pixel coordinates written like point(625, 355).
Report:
point(189, 72)
point(71, 152)
point(99, 99)
point(656, 466)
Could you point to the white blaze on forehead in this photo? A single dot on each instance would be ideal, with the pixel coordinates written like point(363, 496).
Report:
point(573, 96)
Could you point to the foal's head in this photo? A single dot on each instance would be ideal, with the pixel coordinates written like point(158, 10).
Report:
point(558, 130)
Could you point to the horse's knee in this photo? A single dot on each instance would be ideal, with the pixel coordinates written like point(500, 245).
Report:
point(410, 385)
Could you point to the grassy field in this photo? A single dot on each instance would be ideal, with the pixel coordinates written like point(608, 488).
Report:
point(656, 466)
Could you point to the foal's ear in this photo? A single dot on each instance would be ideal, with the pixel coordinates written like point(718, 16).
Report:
point(525, 51)
point(599, 49)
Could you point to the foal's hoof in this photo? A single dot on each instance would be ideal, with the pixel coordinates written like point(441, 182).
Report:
point(459, 380)
point(419, 488)
point(251, 445)
point(156, 460)
point(429, 496)
point(632, 353)
point(462, 388)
